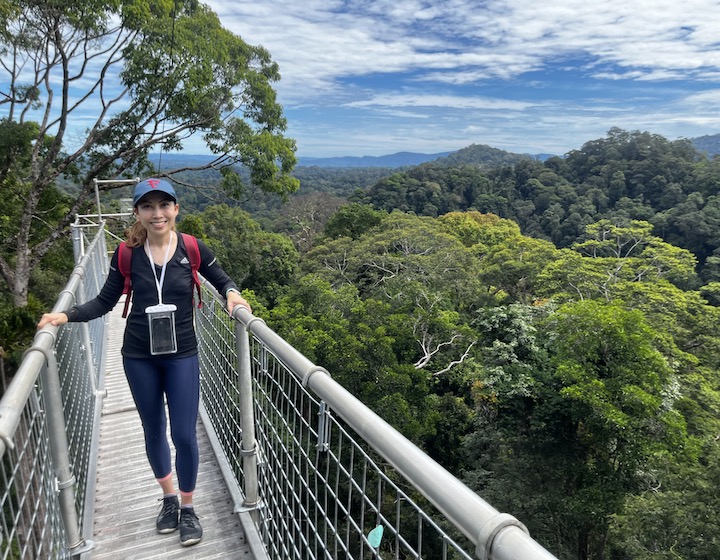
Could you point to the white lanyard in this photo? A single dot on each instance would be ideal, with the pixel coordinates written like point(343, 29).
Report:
point(159, 283)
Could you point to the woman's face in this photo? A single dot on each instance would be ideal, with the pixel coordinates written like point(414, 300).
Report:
point(157, 213)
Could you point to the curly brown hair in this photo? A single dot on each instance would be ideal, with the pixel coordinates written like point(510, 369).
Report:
point(135, 235)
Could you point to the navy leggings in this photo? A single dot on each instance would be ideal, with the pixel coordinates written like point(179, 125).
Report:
point(177, 379)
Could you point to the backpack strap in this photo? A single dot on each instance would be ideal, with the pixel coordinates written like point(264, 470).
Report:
point(124, 266)
point(193, 251)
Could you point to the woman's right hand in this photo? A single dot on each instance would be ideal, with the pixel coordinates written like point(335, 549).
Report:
point(54, 319)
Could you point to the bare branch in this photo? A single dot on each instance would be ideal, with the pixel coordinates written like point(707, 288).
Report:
point(61, 58)
point(455, 362)
point(426, 343)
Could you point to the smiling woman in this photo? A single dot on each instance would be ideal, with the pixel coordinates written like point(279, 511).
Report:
point(156, 212)
point(159, 346)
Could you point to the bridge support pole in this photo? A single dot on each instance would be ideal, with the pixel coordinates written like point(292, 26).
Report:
point(247, 417)
point(59, 447)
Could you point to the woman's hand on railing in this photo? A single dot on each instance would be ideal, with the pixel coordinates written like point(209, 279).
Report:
point(233, 299)
point(54, 319)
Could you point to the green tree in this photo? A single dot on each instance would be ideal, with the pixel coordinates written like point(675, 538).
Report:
point(577, 431)
point(178, 73)
point(675, 517)
point(359, 341)
point(613, 255)
point(512, 268)
point(474, 228)
point(616, 382)
point(304, 216)
point(423, 272)
point(257, 260)
point(352, 221)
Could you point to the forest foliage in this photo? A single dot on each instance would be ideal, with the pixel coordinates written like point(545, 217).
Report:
point(545, 330)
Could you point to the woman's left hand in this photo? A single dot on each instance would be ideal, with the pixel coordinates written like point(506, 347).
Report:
point(233, 299)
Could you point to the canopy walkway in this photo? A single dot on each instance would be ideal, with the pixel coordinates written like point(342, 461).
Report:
point(292, 466)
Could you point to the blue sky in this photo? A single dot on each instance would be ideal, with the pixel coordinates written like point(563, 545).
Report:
point(376, 77)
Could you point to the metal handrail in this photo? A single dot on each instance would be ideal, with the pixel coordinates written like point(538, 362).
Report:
point(495, 535)
point(45, 416)
point(35, 358)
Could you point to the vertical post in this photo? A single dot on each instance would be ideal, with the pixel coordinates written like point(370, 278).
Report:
point(97, 199)
point(59, 447)
point(247, 418)
point(78, 245)
point(85, 336)
point(323, 433)
point(102, 257)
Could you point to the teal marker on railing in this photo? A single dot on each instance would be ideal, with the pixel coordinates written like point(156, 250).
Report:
point(375, 536)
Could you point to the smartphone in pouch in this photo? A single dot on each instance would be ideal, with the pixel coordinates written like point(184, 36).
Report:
point(161, 325)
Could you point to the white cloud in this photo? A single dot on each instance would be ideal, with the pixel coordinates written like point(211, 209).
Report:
point(319, 42)
point(708, 100)
point(440, 101)
point(375, 76)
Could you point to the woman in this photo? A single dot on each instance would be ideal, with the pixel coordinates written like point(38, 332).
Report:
point(159, 346)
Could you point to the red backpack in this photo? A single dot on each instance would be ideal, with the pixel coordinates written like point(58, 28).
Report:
point(125, 261)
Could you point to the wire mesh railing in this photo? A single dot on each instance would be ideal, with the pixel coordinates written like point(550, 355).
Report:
point(31, 523)
point(325, 494)
point(48, 426)
point(333, 480)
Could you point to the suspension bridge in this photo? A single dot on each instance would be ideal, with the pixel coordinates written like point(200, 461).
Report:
point(292, 466)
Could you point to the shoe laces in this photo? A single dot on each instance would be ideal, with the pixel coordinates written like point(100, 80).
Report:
point(188, 517)
point(168, 506)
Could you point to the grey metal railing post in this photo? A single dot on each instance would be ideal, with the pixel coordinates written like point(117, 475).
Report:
point(59, 447)
point(323, 431)
point(78, 243)
point(85, 333)
point(247, 416)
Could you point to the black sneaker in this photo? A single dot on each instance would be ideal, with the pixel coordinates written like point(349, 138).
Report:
point(167, 520)
point(190, 530)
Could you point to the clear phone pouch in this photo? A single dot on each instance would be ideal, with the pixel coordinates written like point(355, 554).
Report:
point(161, 323)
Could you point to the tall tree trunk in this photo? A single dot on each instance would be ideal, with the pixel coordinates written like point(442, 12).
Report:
point(21, 281)
point(598, 546)
point(583, 538)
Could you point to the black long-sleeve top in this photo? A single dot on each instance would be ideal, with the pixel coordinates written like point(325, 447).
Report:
point(177, 288)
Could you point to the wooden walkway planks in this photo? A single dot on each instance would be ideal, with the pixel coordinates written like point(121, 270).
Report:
point(127, 495)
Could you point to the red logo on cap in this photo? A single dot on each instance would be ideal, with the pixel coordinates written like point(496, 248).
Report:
point(153, 183)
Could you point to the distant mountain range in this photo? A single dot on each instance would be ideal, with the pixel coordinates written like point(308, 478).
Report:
point(404, 159)
point(400, 159)
point(472, 154)
point(709, 144)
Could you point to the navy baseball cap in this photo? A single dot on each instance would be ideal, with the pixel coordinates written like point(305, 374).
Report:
point(153, 185)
